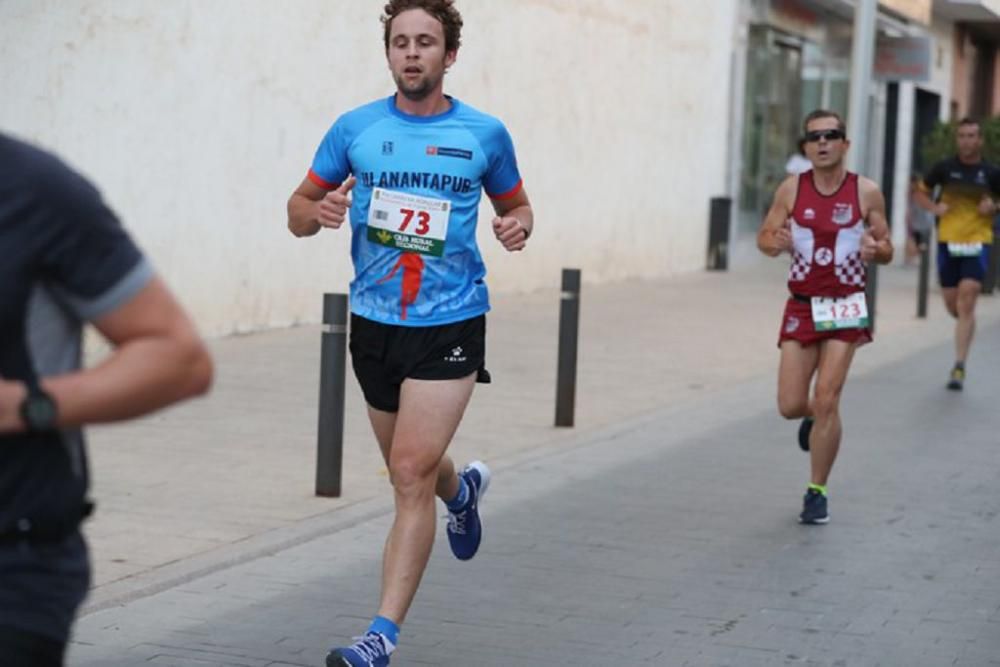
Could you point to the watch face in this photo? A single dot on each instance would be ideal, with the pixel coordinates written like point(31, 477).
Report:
point(39, 412)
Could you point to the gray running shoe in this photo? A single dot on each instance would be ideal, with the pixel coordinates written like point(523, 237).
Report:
point(957, 379)
point(814, 508)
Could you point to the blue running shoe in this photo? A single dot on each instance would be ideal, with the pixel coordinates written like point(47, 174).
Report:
point(372, 650)
point(814, 508)
point(465, 529)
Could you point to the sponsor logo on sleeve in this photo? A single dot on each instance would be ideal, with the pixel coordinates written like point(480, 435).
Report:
point(441, 151)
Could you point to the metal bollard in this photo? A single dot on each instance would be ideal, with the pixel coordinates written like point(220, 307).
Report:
point(923, 282)
point(992, 272)
point(569, 325)
point(330, 436)
point(871, 291)
point(719, 212)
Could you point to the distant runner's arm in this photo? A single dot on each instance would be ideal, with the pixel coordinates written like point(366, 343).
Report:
point(775, 236)
point(875, 243)
point(987, 205)
point(925, 202)
point(922, 195)
point(990, 203)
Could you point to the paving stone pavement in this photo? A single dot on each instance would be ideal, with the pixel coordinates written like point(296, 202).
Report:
point(666, 539)
point(215, 480)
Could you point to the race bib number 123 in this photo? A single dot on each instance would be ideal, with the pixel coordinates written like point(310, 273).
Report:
point(849, 312)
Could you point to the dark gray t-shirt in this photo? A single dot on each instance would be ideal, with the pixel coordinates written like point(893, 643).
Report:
point(65, 260)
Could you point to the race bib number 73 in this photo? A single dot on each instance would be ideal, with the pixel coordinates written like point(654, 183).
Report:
point(408, 222)
point(849, 312)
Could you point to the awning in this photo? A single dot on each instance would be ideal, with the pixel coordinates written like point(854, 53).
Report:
point(972, 11)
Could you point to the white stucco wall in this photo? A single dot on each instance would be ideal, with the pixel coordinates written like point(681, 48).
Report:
point(198, 118)
point(942, 63)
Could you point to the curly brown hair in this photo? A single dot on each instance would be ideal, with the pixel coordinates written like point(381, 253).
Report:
point(443, 10)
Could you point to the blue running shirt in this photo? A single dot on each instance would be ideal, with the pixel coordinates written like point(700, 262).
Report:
point(415, 207)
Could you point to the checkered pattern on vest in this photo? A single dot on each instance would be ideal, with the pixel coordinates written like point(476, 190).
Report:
point(826, 232)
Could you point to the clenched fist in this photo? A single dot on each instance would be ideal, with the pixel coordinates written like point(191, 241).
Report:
point(869, 246)
point(510, 232)
point(332, 208)
point(783, 237)
point(987, 206)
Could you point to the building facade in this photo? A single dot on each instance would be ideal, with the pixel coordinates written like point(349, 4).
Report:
point(934, 60)
point(198, 119)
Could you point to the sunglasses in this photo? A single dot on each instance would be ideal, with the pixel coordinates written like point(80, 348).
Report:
point(820, 135)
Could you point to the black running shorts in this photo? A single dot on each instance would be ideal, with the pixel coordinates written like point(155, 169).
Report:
point(383, 355)
point(954, 269)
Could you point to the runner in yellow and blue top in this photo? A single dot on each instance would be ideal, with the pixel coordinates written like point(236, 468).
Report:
point(965, 209)
point(416, 164)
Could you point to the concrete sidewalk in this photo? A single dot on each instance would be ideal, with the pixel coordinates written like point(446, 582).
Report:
point(223, 480)
point(668, 540)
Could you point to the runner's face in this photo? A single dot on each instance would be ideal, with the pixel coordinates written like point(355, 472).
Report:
point(826, 152)
point(970, 141)
point(417, 57)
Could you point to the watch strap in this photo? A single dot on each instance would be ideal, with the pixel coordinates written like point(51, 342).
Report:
point(38, 409)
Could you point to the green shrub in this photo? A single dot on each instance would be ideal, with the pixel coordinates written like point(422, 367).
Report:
point(939, 144)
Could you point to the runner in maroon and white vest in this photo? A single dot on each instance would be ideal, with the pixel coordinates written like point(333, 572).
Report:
point(826, 259)
point(832, 223)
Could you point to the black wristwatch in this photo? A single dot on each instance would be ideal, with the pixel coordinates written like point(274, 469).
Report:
point(38, 410)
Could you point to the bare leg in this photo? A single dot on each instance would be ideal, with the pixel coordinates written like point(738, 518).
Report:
point(429, 414)
point(795, 373)
point(834, 361)
point(965, 327)
point(384, 425)
point(950, 296)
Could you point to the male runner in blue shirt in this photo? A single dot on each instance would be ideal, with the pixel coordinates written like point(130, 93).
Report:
point(416, 164)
